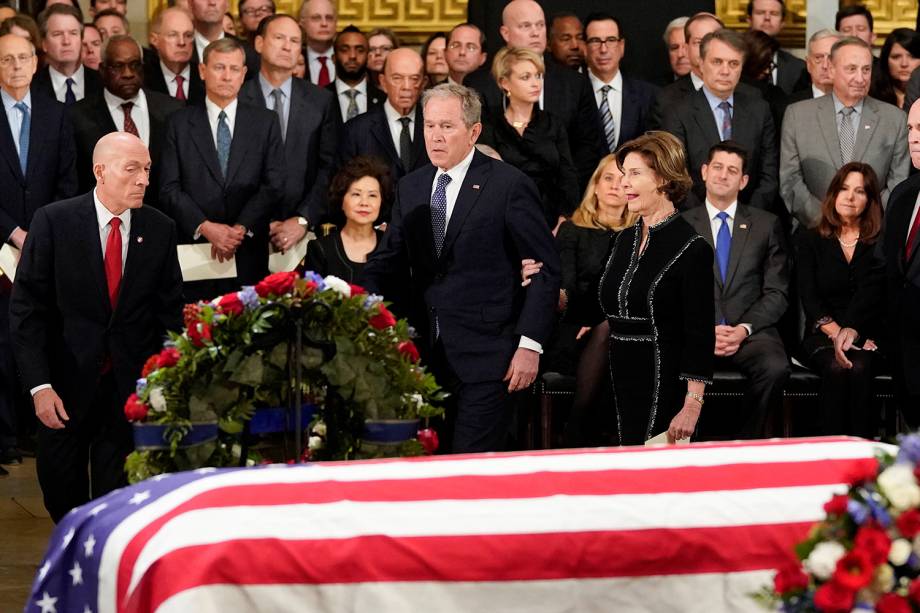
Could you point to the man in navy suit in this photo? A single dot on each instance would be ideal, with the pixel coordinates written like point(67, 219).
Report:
point(623, 103)
point(168, 69)
point(96, 290)
point(64, 76)
point(459, 231)
point(308, 124)
point(354, 93)
point(222, 174)
point(37, 167)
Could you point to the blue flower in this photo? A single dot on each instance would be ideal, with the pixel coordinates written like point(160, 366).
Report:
point(878, 512)
point(858, 511)
point(910, 448)
point(318, 279)
point(141, 386)
point(249, 297)
point(371, 301)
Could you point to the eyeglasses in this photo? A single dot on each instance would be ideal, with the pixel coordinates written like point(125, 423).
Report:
point(22, 58)
point(256, 11)
point(381, 49)
point(595, 42)
point(471, 47)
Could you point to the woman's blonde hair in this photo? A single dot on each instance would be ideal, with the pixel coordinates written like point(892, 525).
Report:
point(587, 214)
point(507, 57)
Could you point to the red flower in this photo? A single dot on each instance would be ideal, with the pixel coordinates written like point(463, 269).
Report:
point(863, 470)
point(230, 304)
point(199, 333)
point(831, 598)
point(837, 505)
point(190, 313)
point(892, 603)
point(152, 363)
point(356, 290)
point(873, 541)
point(854, 571)
point(383, 319)
point(914, 591)
point(429, 440)
point(135, 410)
point(276, 284)
point(908, 523)
point(168, 357)
point(408, 349)
point(790, 578)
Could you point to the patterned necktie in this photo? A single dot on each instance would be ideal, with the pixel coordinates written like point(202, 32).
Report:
point(847, 134)
point(278, 96)
point(323, 79)
point(69, 96)
point(723, 245)
point(130, 126)
point(911, 243)
point(405, 144)
point(180, 90)
point(352, 111)
point(610, 128)
point(726, 119)
point(112, 260)
point(223, 142)
point(439, 212)
point(24, 131)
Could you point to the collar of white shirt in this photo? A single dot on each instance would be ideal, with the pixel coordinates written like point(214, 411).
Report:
point(169, 76)
point(697, 81)
point(393, 115)
point(713, 212)
point(616, 82)
point(58, 80)
point(114, 102)
point(458, 172)
point(214, 114)
point(201, 42)
point(313, 55)
point(341, 87)
point(104, 216)
point(815, 92)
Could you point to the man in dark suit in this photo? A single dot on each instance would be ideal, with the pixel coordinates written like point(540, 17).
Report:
point(465, 51)
point(222, 176)
point(168, 70)
point(124, 106)
point(623, 103)
point(459, 231)
point(208, 17)
point(751, 269)
point(818, 62)
point(353, 92)
point(899, 245)
point(567, 40)
point(566, 94)
point(392, 131)
point(720, 112)
point(64, 76)
point(36, 144)
point(319, 20)
point(768, 17)
point(96, 290)
point(308, 124)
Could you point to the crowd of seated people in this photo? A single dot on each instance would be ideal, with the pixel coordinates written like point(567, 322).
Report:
point(265, 129)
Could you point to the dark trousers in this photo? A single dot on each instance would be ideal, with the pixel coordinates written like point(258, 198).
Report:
point(9, 388)
point(846, 394)
point(101, 440)
point(478, 414)
point(762, 359)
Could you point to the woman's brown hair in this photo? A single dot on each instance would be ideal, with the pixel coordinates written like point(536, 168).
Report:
point(664, 154)
point(870, 221)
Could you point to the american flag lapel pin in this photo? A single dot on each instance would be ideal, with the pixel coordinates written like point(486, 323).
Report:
point(140, 239)
point(867, 127)
point(475, 185)
point(743, 226)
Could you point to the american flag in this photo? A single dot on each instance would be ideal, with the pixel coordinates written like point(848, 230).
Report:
point(689, 528)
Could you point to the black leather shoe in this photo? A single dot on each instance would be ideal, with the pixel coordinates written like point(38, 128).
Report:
point(10, 455)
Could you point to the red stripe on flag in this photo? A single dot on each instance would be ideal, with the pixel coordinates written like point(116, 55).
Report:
point(527, 557)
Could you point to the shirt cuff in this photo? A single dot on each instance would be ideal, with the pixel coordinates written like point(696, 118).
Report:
point(38, 388)
point(529, 343)
point(9, 238)
point(747, 327)
point(197, 233)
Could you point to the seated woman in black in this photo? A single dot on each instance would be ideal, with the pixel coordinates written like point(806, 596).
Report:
point(360, 188)
point(841, 282)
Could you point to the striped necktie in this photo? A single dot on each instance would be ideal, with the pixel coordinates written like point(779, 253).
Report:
point(610, 128)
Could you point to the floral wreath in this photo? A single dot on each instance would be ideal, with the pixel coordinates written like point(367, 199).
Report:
point(234, 357)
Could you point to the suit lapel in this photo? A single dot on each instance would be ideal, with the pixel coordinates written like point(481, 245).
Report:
point(828, 125)
point(741, 121)
point(473, 185)
point(242, 140)
point(8, 147)
point(204, 142)
point(92, 250)
point(381, 131)
point(704, 118)
point(868, 121)
point(135, 257)
point(741, 229)
point(629, 114)
point(297, 111)
point(36, 142)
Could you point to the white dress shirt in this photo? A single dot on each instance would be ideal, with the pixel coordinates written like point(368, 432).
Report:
point(457, 176)
point(214, 113)
point(13, 115)
point(815, 92)
point(170, 77)
point(697, 81)
point(614, 97)
point(361, 99)
point(395, 125)
point(315, 66)
point(59, 83)
point(201, 42)
point(139, 113)
point(716, 224)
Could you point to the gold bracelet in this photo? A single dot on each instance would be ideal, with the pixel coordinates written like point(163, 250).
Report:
point(695, 396)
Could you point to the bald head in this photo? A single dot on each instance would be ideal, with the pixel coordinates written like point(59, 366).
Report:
point(121, 165)
point(403, 78)
point(524, 25)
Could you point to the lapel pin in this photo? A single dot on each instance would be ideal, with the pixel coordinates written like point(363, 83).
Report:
point(140, 239)
point(475, 186)
point(743, 226)
point(868, 127)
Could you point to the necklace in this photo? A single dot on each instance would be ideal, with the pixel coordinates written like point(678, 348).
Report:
point(848, 245)
point(519, 124)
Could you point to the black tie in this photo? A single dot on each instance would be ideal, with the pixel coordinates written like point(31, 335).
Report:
point(405, 143)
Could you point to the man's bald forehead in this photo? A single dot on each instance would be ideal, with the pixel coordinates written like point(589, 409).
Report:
point(515, 9)
point(406, 58)
point(118, 145)
point(13, 43)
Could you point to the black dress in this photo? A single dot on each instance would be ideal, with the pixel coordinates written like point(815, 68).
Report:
point(326, 256)
point(542, 153)
point(659, 307)
point(852, 294)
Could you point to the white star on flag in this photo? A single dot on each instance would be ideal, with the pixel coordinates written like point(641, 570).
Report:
point(139, 497)
point(47, 603)
point(86, 609)
point(76, 573)
point(67, 538)
point(88, 546)
point(99, 508)
point(44, 570)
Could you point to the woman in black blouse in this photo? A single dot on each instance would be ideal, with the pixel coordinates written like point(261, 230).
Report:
point(361, 188)
point(530, 139)
point(841, 282)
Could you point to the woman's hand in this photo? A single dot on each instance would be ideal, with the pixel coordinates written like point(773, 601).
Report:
point(843, 342)
point(831, 329)
point(529, 268)
point(584, 330)
point(684, 423)
point(870, 345)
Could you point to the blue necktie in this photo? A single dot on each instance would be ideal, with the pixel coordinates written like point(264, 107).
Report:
point(726, 119)
point(439, 212)
point(24, 136)
point(723, 245)
point(69, 96)
point(223, 142)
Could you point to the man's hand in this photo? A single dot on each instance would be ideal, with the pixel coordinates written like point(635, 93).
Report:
point(49, 408)
point(523, 369)
point(529, 268)
point(18, 238)
point(224, 239)
point(843, 342)
point(729, 339)
point(285, 234)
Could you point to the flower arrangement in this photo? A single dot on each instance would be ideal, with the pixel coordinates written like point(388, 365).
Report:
point(865, 556)
point(357, 362)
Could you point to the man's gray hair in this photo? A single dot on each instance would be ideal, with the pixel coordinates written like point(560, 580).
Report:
point(469, 100)
point(822, 34)
point(677, 22)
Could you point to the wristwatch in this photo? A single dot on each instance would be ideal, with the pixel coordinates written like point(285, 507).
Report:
point(821, 321)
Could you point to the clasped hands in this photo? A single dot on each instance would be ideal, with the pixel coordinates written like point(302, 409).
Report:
point(224, 239)
point(844, 340)
point(729, 339)
point(285, 234)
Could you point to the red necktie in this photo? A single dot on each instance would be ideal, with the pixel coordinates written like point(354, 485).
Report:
point(180, 92)
point(112, 260)
point(912, 238)
point(323, 79)
point(130, 126)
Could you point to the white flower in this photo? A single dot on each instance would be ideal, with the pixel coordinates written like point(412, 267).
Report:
point(823, 559)
point(338, 285)
point(319, 429)
point(900, 551)
point(315, 443)
point(414, 400)
point(900, 486)
point(157, 399)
